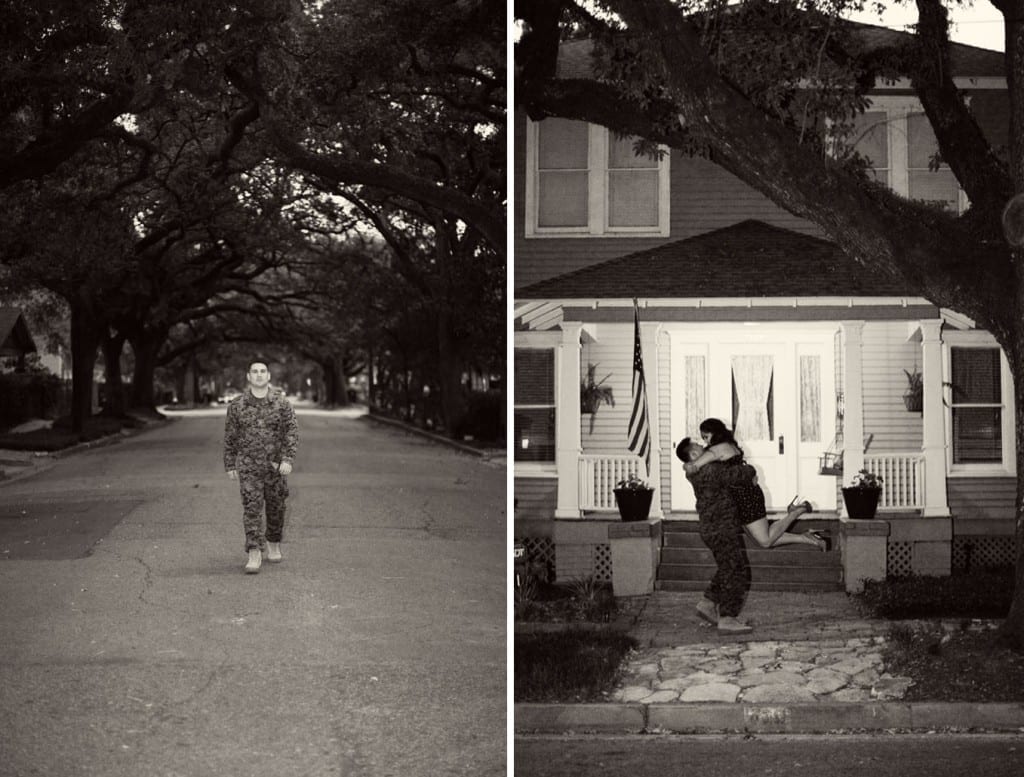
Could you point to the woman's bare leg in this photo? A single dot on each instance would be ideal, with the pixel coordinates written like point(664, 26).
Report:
point(769, 535)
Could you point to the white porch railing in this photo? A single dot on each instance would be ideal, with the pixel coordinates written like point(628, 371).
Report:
point(902, 479)
point(598, 475)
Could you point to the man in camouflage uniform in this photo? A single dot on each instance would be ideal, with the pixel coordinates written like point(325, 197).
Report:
point(261, 438)
point(722, 532)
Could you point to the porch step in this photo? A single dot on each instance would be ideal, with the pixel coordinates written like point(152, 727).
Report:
point(687, 565)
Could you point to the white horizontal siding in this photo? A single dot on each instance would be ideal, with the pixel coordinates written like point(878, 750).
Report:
point(885, 354)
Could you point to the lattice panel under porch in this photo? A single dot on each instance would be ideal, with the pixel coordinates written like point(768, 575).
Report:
point(899, 558)
point(540, 552)
point(603, 563)
point(984, 551)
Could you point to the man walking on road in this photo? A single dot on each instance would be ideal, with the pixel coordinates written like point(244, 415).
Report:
point(721, 531)
point(261, 438)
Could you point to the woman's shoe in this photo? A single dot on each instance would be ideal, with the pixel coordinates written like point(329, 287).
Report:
point(795, 504)
point(824, 541)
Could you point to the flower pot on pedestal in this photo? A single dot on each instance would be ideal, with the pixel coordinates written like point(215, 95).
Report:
point(861, 503)
point(634, 503)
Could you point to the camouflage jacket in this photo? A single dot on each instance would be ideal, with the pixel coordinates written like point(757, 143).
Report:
point(260, 433)
point(711, 483)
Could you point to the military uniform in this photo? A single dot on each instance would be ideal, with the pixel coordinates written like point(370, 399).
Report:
point(721, 530)
point(259, 434)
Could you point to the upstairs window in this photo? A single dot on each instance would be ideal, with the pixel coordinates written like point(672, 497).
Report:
point(900, 146)
point(583, 181)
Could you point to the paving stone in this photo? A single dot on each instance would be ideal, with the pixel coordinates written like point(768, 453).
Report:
point(802, 653)
point(851, 694)
point(642, 670)
point(824, 681)
point(770, 678)
point(777, 694)
point(725, 692)
point(678, 667)
point(700, 678)
point(660, 697)
point(673, 684)
point(722, 666)
point(850, 666)
point(761, 649)
point(756, 662)
point(732, 650)
point(799, 667)
point(891, 688)
point(631, 693)
point(865, 679)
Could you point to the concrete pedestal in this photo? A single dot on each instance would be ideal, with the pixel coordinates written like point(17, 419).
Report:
point(634, 546)
point(864, 551)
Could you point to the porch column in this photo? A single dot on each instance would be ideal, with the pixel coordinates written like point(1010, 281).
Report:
point(649, 333)
point(568, 445)
point(853, 402)
point(934, 436)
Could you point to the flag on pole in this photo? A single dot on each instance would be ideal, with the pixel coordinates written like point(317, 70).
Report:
point(639, 422)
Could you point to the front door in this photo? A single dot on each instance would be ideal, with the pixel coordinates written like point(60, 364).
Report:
point(776, 388)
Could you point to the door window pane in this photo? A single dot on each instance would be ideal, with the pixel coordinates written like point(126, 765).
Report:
point(810, 399)
point(752, 393)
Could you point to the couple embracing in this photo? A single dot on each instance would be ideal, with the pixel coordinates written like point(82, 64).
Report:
point(728, 502)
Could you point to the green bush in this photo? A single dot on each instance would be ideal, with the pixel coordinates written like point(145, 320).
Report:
point(982, 593)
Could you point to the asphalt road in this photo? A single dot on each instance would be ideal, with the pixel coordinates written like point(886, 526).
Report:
point(131, 643)
point(877, 755)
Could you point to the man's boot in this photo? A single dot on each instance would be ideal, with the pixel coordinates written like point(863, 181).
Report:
point(252, 566)
point(730, 625)
point(274, 552)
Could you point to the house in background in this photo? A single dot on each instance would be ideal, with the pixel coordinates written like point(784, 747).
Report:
point(15, 339)
point(749, 315)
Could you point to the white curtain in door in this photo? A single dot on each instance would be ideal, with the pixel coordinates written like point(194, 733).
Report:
point(695, 400)
point(752, 377)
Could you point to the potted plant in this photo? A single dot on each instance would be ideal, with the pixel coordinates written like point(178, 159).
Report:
point(861, 496)
point(913, 397)
point(593, 393)
point(633, 496)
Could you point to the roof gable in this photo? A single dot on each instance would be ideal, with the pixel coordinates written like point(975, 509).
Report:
point(15, 338)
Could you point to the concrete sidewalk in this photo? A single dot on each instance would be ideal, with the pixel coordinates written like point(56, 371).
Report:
point(812, 664)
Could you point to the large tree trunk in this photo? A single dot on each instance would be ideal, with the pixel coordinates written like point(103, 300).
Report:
point(334, 382)
point(145, 347)
point(85, 340)
point(112, 348)
point(449, 368)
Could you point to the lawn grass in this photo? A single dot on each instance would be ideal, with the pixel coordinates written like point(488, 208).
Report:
point(568, 666)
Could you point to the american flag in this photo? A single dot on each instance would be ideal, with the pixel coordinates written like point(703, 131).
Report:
point(639, 422)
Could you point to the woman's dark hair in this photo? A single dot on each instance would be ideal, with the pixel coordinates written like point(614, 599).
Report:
point(719, 432)
point(683, 449)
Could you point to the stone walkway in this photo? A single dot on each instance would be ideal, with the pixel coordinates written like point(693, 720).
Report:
point(774, 672)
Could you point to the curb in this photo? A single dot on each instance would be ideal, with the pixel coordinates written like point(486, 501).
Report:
point(486, 455)
point(816, 718)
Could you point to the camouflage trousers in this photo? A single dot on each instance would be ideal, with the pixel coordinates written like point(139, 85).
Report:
point(731, 581)
point(262, 492)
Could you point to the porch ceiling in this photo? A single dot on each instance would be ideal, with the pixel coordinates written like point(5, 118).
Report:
point(750, 259)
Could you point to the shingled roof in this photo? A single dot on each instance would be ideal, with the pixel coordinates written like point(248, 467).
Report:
point(15, 339)
point(748, 259)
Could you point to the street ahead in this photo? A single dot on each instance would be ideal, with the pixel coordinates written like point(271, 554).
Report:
point(376, 648)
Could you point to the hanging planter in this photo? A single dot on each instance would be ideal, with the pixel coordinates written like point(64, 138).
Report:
point(593, 394)
point(913, 398)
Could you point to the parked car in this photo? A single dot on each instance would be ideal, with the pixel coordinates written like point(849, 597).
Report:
point(228, 395)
